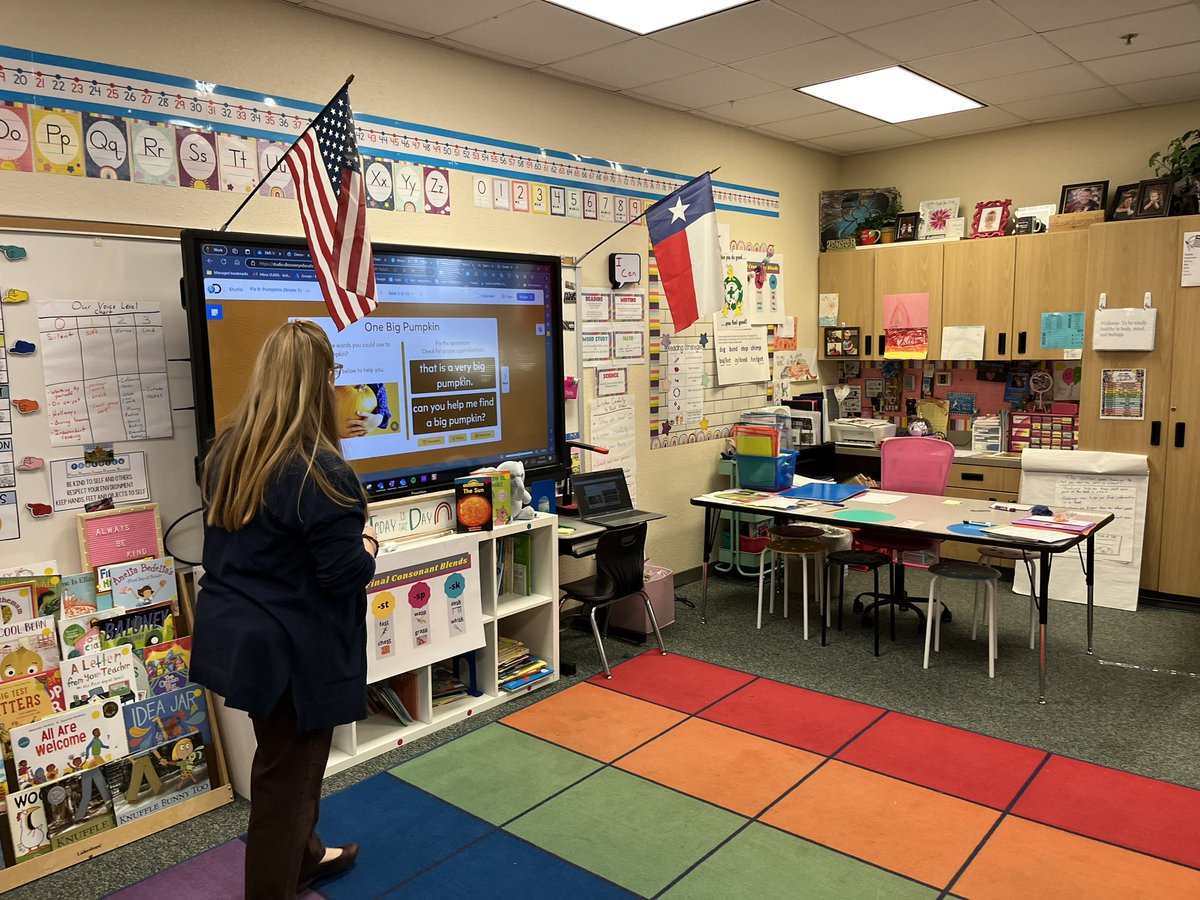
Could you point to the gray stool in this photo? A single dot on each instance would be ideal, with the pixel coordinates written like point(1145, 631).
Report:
point(988, 552)
point(962, 571)
point(855, 559)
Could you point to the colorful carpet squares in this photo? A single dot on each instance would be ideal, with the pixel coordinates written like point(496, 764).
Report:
point(683, 779)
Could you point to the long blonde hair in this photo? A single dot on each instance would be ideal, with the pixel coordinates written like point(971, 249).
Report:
point(287, 413)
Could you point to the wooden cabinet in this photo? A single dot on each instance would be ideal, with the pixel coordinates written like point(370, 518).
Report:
point(983, 485)
point(850, 275)
point(910, 270)
point(1051, 273)
point(977, 289)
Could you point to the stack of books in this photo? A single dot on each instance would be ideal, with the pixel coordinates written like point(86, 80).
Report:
point(517, 666)
point(446, 687)
point(383, 698)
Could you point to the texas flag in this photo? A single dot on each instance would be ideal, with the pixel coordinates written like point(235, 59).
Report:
point(683, 232)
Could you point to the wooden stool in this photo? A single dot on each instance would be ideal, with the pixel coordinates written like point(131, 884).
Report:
point(796, 532)
point(962, 571)
point(989, 552)
point(855, 559)
point(805, 550)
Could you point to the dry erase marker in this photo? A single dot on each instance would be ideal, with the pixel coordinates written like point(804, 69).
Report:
point(977, 524)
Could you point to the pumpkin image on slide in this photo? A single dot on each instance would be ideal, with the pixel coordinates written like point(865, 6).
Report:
point(361, 409)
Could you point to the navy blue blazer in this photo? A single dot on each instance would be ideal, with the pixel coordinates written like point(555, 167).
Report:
point(283, 600)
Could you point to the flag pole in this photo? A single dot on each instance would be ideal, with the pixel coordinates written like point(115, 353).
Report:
point(580, 259)
point(271, 171)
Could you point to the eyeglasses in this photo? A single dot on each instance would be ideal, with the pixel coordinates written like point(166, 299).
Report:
point(337, 371)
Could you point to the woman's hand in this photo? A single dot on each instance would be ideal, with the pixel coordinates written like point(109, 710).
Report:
point(370, 540)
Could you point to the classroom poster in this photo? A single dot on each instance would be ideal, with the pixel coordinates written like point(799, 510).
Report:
point(1122, 393)
point(684, 384)
point(741, 350)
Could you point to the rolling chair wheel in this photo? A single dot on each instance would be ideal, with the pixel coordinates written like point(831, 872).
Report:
point(946, 617)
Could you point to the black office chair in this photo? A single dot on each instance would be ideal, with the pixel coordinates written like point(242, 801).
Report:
point(620, 558)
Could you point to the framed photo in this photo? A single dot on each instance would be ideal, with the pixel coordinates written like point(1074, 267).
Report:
point(842, 342)
point(1154, 197)
point(1084, 197)
point(935, 216)
point(844, 213)
point(1125, 202)
point(119, 535)
point(991, 218)
point(906, 226)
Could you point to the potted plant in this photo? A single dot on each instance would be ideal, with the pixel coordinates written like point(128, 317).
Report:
point(1181, 163)
point(883, 221)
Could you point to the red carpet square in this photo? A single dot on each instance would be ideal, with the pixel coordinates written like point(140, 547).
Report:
point(792, 715)
point(687, 685)
point(968, 765)
point(1130, 810)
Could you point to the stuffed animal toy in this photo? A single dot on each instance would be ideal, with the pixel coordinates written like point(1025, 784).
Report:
point(521, 498)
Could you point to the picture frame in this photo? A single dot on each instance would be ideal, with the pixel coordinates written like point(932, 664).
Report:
point(907, 224)
point(991, 218)
point(1154, 197)
point(842, 342)
point(124, 534)
point(1086, 196)
point(843, 214)
point(1125, 202)
point(935, 215)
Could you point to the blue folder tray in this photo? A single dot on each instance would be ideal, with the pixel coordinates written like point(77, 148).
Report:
point(824, 490)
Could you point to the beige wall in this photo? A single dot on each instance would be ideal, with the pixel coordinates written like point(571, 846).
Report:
point(275, 48)
point(1028, 164)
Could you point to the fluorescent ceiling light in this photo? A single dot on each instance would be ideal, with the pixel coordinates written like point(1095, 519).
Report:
point(893, 95)
point(645, 16)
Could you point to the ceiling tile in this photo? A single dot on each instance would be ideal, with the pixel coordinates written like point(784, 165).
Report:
point(420, 16)
point(870, 139)
point(847, 17)
point(1018, 55)
point(471, 50)
point(541, 33)
point(839, 121)
point(1164, 90)
point(1163, 63)
point(632, 63)
point(819, 61)
point(1164, 28)
point(1065, 106)
point(704, 88)
point(338, 11)
point(965, 122)
point(772, 107)
point(1041, 15)
point(957, 28)
point(1028, 85)
point(751, 30)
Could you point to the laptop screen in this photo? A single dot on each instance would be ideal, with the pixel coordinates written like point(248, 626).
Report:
point(601, 492)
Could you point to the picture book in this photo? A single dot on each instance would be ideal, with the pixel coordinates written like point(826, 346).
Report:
point(142, 627)
point(46, 589)
point(167, 665)
point(27, 824)
point(165, 717)
point(70, 741)
point(79, 597)
point(143, 582)
point(18, 602)
point(522, 567)
point(105, 673)
point(28, 699)
point(78, 635)
point(157, 778)
point(77, 807)
point(28, 647)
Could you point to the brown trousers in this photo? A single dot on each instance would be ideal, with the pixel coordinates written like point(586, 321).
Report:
point(282, 846)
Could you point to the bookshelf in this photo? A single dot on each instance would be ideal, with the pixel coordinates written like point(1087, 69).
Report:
point(531, 618)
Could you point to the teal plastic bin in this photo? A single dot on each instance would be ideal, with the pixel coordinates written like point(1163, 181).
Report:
point(766, 473)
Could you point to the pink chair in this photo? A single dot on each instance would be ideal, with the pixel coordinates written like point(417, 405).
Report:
point(917, 465)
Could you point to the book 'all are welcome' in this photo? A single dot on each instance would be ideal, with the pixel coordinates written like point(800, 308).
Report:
point(69, 742)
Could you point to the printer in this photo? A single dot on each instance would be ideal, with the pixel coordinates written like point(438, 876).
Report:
point(861, 432)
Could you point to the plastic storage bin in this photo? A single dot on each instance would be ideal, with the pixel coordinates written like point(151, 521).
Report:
point(766, 473)
point(630, 613)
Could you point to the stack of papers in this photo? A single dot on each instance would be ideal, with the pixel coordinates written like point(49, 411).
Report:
point(1075, 526)
point(1043, 535)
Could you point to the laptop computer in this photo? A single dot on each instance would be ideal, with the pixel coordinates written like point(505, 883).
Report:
point(603, 499)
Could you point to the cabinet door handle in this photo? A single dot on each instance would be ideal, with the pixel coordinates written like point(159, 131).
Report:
point(971, 476)
point(1021, 342)
point(867, 348)
point(1180, 433)
point(1155, 433)
point(1002, 342)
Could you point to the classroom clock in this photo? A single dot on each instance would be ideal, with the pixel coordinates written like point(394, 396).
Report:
point(624, 268)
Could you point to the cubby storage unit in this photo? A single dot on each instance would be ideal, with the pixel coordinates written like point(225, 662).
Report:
point(531, 618)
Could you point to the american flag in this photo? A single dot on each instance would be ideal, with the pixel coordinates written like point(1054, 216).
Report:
point(329, 186)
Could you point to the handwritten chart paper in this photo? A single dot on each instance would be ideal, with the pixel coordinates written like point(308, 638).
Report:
point(105, 367)
point(614, 426)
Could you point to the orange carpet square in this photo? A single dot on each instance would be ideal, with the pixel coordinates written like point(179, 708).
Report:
point(793, 715)
point(1028, 860)
point(681, 683)
point(593, 721)
point(736, 771)
point(908, 829)
point(972, 766)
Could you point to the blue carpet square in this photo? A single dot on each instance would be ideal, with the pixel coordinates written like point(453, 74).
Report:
point(399, 830)
point(501, 865)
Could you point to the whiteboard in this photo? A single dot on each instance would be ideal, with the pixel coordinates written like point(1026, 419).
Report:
point(70, 266)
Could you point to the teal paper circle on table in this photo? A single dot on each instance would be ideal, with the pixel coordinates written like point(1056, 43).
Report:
point(864, 515)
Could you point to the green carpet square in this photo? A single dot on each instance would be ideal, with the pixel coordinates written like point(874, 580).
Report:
point(635, 833)
point(764, 863)
point(495, 773)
